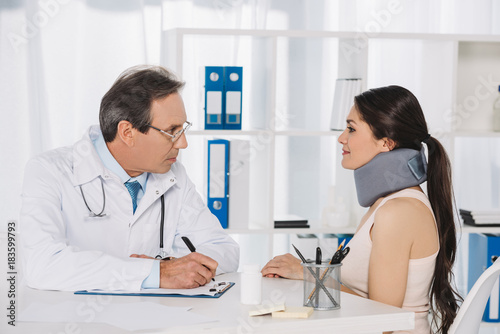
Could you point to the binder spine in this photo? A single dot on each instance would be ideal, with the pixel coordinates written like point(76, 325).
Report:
point(239, 183)
point(218, 179)
point(233, 84)
point(214, 97)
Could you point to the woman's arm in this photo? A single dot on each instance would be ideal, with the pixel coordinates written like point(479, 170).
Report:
point(392, 236)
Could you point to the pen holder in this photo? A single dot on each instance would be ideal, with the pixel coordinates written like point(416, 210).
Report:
point(322, 285)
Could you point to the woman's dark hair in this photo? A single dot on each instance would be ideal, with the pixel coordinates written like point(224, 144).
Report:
point(131, 96)
point(394, 112)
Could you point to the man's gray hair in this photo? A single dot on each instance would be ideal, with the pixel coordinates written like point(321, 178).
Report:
point(131, 96)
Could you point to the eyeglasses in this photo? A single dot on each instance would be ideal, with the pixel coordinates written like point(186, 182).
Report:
point(176, 135)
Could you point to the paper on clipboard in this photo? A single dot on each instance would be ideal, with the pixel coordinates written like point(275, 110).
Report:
point(210, 290)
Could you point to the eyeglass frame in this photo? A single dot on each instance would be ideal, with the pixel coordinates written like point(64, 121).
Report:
point(176, 135)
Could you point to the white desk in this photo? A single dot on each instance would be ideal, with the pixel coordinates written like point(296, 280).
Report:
point(356, 315)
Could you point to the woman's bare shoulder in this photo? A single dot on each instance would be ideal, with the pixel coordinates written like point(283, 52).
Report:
point(403, 212)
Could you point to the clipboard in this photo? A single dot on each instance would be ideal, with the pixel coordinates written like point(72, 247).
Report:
point(200, 292)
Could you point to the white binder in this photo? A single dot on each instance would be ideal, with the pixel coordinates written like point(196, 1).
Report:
point(239, 183)
point(345, 91)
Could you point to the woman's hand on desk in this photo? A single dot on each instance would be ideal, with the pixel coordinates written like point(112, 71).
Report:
point(187, 272)
point(287, 266)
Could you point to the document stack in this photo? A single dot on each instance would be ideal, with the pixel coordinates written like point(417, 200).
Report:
point(481, 217)
point(345, 91)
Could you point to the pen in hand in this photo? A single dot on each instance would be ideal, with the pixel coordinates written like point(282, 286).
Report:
point(192, 249)
point(189, 244)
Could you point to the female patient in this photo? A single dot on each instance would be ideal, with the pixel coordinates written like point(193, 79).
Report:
point(404, 247)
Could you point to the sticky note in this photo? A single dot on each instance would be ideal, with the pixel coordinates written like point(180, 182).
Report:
point(266, 309)
point(294, 312)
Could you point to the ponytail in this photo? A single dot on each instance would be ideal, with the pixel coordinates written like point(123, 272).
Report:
point(443, 296)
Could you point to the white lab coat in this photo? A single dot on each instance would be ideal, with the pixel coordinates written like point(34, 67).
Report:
point(65, 249)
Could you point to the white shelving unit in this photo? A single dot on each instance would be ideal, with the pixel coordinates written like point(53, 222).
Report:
point(473, 229)
point(288, 86)
point(321, 230)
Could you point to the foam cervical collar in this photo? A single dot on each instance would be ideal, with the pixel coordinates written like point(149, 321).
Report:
point(389, 172)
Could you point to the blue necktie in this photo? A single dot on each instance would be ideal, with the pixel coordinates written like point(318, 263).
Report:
point(133, 188)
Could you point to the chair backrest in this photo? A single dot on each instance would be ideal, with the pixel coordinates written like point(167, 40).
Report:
point(469, 315)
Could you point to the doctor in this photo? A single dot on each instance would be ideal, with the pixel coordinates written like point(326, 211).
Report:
point(109, 212)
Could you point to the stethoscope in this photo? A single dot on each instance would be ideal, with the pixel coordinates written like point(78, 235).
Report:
point(101, 214)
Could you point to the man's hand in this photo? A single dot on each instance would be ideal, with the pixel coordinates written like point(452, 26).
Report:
point(190, 271)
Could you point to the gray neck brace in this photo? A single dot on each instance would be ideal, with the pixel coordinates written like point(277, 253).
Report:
point(389, 172)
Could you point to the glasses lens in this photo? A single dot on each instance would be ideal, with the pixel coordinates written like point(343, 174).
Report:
point(178, 134)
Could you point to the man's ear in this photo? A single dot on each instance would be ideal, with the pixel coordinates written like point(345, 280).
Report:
point(389, 144)
point(126, 133)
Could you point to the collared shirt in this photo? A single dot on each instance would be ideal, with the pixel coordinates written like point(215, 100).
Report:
point(153, 280)
point(110, 163)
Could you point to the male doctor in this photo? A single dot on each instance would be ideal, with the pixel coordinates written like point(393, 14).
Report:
point(92, 213)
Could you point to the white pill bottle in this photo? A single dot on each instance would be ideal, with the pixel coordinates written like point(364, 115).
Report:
point(251, 285)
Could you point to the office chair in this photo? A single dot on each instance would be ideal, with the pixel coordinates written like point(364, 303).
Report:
point(469, 315)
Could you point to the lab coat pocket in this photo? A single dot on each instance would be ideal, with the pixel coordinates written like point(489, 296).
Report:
point(150, 238)
point(98, 234)
point(91, 218)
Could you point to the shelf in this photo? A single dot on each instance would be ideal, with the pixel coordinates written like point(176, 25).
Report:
point(229, 132)
point(337, 34)
point(473, 229)
point(291, 133)
point(298, 133)
point(490, 324)
point(478, 134)
point(321, 230)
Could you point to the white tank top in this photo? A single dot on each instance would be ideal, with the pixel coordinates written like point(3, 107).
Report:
point(354, 272)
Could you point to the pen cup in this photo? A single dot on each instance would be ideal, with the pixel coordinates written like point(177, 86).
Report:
point(322, 285)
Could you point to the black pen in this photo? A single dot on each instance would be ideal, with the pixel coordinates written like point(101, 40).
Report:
point(339, 255)
point(300, 254)
point(318, 262)
point(345, 251)
point(318, 255)
point(190, 245)
point(336, 258)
